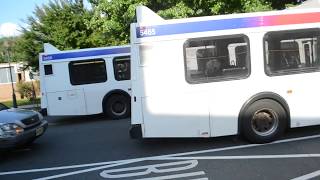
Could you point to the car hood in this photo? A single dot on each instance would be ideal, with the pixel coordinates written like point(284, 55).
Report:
point(14, 115)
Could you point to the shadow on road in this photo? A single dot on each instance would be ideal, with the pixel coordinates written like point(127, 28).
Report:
point(152, 144)
point(71, 120)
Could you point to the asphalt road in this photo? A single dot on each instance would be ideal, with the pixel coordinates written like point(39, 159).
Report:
point(97, 148)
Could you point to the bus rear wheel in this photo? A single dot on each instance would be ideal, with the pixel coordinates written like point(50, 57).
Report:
point(264, 121)
point(117, 106)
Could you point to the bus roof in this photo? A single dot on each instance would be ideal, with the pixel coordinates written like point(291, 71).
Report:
point(162, 27)
point(81, 53)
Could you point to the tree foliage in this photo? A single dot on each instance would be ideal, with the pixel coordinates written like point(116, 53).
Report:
point(8, 49)
point(62, 23)
point(113, 17)
point(67, 24)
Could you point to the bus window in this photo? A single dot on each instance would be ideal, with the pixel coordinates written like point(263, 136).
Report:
point(290, 52)
point(48, 69)
point(121, 66)
point(217, 58)
point(87, 72)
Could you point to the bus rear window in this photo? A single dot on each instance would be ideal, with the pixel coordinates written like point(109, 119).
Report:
point(121, 66)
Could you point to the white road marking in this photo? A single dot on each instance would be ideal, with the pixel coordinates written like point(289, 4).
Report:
point(285, 156)
point(243, 146)
point(86, 170)
point(158, 157)
point(308, 176)
point(175, 176)
point(148, 169)
point(58, 168)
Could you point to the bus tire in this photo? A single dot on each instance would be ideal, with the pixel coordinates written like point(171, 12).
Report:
point(117, 106)
point(263, 121)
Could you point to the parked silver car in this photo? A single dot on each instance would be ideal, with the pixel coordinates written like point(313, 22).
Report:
point(19, 126)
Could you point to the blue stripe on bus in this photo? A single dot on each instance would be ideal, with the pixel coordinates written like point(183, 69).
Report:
point(59, 56)
point(191, 27)
point(224, 24)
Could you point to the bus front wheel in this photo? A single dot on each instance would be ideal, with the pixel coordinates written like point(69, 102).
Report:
point(117, 106)
point(264, 121)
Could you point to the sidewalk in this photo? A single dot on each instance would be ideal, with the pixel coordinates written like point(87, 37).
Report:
point(30, 106)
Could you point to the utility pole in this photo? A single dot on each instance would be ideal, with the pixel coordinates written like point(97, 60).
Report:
point(14, 99)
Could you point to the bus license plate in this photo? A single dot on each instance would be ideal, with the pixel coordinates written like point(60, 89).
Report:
point(39, 131)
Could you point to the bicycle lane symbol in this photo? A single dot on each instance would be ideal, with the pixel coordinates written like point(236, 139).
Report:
point(157, 171)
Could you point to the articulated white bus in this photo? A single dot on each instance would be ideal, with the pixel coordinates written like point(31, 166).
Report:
point(253, 74)
point(86, 81)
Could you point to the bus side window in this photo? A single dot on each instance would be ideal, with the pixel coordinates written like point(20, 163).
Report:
point(291, 51)
point(217, 58)
point(48, 69)
point(121, 66)
point(87, 71)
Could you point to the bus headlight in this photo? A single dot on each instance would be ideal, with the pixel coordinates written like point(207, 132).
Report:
point(10, 130)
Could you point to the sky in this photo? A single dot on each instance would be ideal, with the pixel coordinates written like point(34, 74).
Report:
point(14, 12)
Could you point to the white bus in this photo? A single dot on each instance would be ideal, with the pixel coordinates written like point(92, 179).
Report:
point(86, 81)
point(253, 74)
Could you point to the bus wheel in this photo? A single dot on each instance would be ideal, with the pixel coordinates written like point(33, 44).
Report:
point(264, 121)
point(117, 106)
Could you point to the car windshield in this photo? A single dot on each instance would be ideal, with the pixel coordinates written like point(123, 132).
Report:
point(3, 107)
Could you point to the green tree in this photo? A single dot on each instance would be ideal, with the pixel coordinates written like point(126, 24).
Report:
point(67, 24)
point(62, 23)
point(7, 46)
point(113, 18)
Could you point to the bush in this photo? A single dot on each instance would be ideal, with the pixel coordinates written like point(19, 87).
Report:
point(26, 90)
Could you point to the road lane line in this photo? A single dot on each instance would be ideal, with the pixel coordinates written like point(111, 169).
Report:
point(175, 176)
point(57, 168)
point(86, 170)
point(285, 156)
point(156, 157)
point(243, 146)
point(308, 176)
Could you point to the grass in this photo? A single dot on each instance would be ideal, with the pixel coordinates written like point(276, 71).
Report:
point(21, 102)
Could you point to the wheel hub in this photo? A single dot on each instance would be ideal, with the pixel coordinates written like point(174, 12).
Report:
point(264, 122)
point(118, 108)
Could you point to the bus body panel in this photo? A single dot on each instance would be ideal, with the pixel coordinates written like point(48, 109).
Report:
point(176, 116)
point(70, 102)
point(136, 100)
point(43, 102)
point(302, 96)
point(163, 115)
